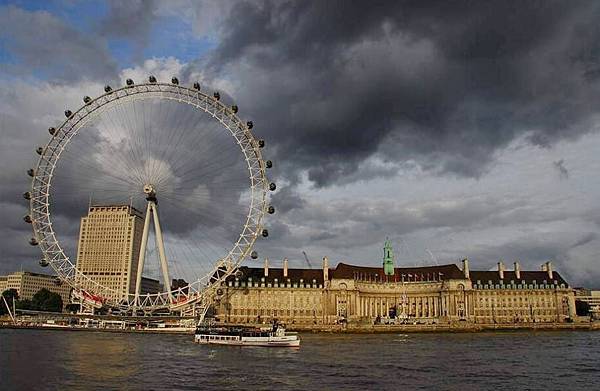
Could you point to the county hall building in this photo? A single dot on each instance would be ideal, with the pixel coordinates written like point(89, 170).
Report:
point(388, 294)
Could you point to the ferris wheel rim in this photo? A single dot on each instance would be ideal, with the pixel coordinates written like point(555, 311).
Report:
point(40, 213)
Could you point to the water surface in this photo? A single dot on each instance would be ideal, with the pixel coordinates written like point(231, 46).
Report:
point(45, 359)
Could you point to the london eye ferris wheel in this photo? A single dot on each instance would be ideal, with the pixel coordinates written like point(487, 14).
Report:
point(184, 161)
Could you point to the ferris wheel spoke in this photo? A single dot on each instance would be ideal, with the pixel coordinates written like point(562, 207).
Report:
point(195, 138)
point(207, 216)
point(106, 176)
point(123, 120)
point(108, 159)
point(130, 155)
point(187, 168)
point(179, 133)
point(211, 169)
point(95, 168)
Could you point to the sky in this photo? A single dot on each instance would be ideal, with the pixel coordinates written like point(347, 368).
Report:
point(456, 129)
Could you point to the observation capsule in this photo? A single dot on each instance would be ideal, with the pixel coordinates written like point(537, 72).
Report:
point(175, 80)
point(152, 79)
point(44, 263)
point(33, 242)
point(87, 99)
point(253, 255)
point(197, 86)
point(272, 186)
point(268, 164)
point(107, 88)
point(234, 108)
point(217, 95)
point(31, 172)
point(271, 209)
point(68, 113)
point(261, 143)
point(27, 219)
point(27, 195)
point(52, 131)
point(265, 233)
point(39, 150)
point(249, 124)
point(129, 82)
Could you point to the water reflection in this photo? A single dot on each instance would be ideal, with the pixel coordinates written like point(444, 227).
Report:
point(31, 359)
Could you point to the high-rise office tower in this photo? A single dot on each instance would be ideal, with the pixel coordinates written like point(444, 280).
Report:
point(109, 245)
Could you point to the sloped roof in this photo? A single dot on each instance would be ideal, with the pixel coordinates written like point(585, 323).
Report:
point(424, 273)
point(527, 276)
point(256, 273)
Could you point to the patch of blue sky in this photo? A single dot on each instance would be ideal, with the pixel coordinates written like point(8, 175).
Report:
point(173, 37)
point(170, 36)
point(82, 15)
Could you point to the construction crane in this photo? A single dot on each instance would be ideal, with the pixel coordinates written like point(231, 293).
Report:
point(307, 261)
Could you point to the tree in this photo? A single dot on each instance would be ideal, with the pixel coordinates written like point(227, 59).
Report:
point(24, 304)
point(8, 294)
point(44, 300)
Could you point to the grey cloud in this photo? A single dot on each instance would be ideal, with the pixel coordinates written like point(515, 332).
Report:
point(559, 165)
point(131, 20)
point(442, 84)
point(287, 199)
point(531, 252)
point(40, 42)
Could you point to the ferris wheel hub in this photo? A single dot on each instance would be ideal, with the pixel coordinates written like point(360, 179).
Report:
point(150, 191)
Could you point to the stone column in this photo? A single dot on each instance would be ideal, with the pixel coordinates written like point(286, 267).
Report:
point(363, 306)
point(428, 306)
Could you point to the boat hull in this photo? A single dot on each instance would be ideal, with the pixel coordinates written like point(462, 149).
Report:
point(286, 342)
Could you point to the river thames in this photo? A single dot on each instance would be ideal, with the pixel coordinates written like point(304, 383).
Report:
point(40, 359)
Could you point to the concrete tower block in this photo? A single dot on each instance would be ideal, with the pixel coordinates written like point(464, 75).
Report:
point(501, 270)
point(285, 267)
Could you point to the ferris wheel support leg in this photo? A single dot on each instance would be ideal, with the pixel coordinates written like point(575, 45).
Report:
point(142, 255)
point(161, 252)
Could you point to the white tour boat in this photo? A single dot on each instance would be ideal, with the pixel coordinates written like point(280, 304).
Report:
point(246, 336)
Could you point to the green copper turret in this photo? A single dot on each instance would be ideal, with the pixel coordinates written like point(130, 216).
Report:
point(388, 258)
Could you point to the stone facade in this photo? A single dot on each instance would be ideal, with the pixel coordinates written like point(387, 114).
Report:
point(358, 294)
point(3, 283)
point(28, 284)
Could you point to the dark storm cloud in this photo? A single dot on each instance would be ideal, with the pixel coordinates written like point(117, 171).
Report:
point(445, 84)
point(41, 43)
point(130, 20)
point(287, 199)
point(345, 92)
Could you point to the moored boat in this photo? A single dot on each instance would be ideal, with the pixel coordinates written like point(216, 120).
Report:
point(246, 336)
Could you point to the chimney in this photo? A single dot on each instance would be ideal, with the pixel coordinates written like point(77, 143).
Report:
point(501, 270)
point(266, 267)
point(325, 269)
point(465, 263)
point(549, 270)
point(285, 267)
point(518, 270)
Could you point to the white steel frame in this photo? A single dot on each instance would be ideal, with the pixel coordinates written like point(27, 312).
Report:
point(183, 297)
